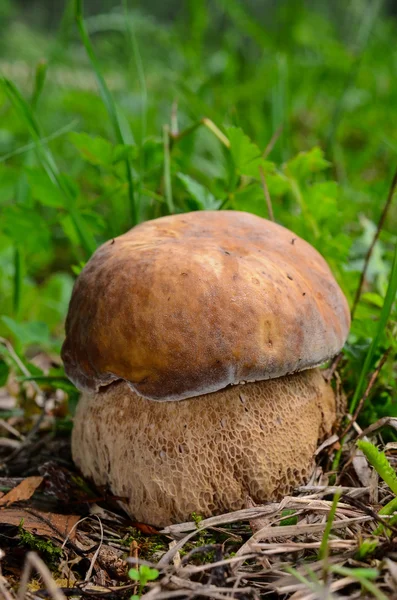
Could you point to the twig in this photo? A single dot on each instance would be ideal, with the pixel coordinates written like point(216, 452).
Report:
point(353, 419)
point(382, 219)
point(4, 590)
point(94, 558)
point(40, 399)
point(174, 119)
point(20, 364)
point(329, 373)
point(370, 512)
point(392, 421)
point(208, 124)
point(33, 561)
point(272, 141)
point(266, 193)
point(11, 429)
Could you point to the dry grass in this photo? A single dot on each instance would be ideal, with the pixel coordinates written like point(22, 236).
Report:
point(274, 550)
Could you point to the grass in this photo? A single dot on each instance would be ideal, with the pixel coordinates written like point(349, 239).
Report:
point(262, 107)
point(109, 104)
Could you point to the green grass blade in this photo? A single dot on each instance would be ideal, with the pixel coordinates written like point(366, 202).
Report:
point(39, 81)
point(246, 23)
point(21, 192)
point(363, 576)
point(370, 17)
point(109, 103)
point(18, 279)
point(389, 508)
point(383, 319)
point(167, 169)
point(323, 554)
point(134, 49)
point(380, 463)
point(48, 163)
point(44, 140)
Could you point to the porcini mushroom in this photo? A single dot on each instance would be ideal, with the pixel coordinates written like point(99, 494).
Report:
point(165, 325)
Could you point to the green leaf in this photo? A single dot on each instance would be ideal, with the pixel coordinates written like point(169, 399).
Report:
point(250, 199)
point(148, 573)
point(47, 161)
point(364, 576)
point(134, 574)
point(202, 195)
point(306, 163)
point(4, 372)
point(44, 190)
point(380, 463)
point(26, 334)
point(246, 155)
point(18, 223)
point(366, 548)
point(98, 151)
point(372, 298)
point(76, 269)
point(288, 517)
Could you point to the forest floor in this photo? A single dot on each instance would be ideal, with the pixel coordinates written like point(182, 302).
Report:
point(60, 537)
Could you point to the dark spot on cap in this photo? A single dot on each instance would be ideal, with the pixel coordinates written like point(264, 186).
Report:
point(289, 277)
point(293, 241)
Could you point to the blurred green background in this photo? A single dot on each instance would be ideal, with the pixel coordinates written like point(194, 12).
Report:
point(316, 80)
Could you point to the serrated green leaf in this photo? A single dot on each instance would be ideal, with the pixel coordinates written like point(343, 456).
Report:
point(202, 195)
point(250, 199)
point(306, 163)
point(18, 223)
point(95, 150)
point(247, 157)
point(98, 151)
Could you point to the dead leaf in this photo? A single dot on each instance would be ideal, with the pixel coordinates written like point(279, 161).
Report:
point(65, 485)
point(40, 523)
point(23, 491)
point(362, 468)
point(145, 529)
point(255, 524)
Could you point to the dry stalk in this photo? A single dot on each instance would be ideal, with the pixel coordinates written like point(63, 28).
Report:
point(266, 193)
point(379, 228)
point(34, 562)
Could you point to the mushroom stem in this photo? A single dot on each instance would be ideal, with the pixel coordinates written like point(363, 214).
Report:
point(204, 454)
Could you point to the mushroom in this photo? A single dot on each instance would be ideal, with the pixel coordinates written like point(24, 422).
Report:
point(195, 339)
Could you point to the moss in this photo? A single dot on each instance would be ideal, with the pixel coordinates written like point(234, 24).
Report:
point(46, 548)
point(148, 545)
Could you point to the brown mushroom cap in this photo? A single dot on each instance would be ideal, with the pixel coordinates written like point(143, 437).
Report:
point(187, 304)
point(203, 455)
